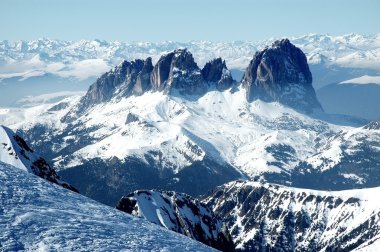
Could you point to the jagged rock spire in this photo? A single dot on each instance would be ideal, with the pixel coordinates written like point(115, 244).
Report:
point(215, 71)
point(281, 73)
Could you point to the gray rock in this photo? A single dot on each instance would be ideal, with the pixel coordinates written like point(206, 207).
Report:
point(216, 71)
point(177, 71)
point(143, 78)
point(131, 118)
point(281, 73)
point(120, 81)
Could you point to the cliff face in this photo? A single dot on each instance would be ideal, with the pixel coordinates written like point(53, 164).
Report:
point(281, 73)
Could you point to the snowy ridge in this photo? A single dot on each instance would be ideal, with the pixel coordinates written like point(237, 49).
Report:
point(36, 215)
point(15, 151)
point(272, 217)
point(85, 58)
point(180, 213)
point(346, 142)
point(365, 79)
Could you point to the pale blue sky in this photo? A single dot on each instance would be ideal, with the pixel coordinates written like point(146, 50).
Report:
point(183, 20)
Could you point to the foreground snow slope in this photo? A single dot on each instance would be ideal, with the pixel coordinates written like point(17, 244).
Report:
point(36, 215)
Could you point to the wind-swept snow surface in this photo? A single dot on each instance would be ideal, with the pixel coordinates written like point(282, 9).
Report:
point(39, 216)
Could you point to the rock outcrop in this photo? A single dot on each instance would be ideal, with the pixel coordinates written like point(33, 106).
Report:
point(178, 71)
point(143, 78)
point(374, 125)
point(181, 213)
point(215, 71)
point(118, 82)
point(281, 73)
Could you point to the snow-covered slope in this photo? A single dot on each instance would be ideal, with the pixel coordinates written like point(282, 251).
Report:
point(166, 135)
point(15, 151)
point(348, 158)
point(268, 217)
point(180, 213)
point(39, 216)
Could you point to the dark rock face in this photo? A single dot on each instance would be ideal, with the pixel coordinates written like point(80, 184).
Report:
point(216, 72)
point(178, 212)
point(122, 81)
point(264, 217)
point(178, 71)
point(281, 73)
point(143, 78)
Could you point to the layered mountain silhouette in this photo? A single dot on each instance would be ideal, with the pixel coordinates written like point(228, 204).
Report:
point(277, 73)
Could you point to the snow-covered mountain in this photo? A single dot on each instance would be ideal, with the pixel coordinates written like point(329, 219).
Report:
point(40, 216)
point(180, 213)
point(86, 58)
point(191, 138)
point(33, 68)
point(16, 152)
point(347, 159)
point(269, 217)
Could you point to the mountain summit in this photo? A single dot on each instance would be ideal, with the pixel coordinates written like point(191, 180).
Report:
point(281, 73)
point(277, 73)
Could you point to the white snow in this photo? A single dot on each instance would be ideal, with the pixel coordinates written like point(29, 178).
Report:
point(365, 79)
point(39, 216)
point(221, 125)
point(85, 58)
point(10, 151)
point(36, 100)
point(355, 208)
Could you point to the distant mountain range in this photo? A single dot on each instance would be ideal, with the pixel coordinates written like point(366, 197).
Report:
point(86, 58)
point(32, 68)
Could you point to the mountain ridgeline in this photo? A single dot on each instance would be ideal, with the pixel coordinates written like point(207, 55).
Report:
point(180, 213)
point(277, 73)
point(270, 217)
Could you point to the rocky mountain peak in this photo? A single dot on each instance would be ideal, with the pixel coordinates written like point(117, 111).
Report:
point(119, 81)
point(215, 71)
point(180, 213)
point(177, 71)
point(143, 78)
point(281, 73)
